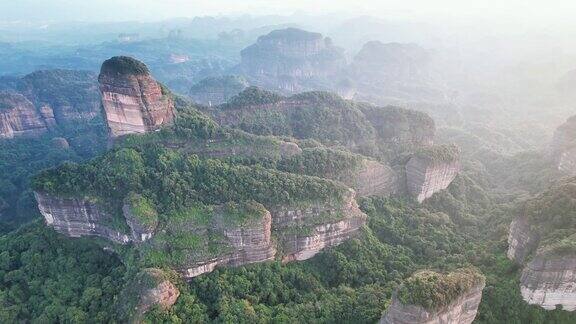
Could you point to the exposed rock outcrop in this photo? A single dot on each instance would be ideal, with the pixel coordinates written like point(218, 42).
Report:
point(563, 147)
point(306, 231)
point(431, 170)
point(248, 243)
point(374, 178)
point(542, 240)
point(149, 288)
point(64, 97)
point(133, 101)
point(459, 304)
point(76, 217)
point(461, 311)
point(291, 60)
point(522, 240)
point(19, 117)
point(549, 282)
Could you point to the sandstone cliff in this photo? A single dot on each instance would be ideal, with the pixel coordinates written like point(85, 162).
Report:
point(133, 101)
point(542, 241)
point(76, 217)
point(19, 117)
point(303, 232)
point(460, 293)
point(70, 96)
point(291, 60)
point(431, 170)
point(563, 147)
point(149, 288)
point(549, 282)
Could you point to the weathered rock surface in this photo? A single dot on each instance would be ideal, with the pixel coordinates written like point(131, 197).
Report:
point(77, 217)
point(62, 97)
point(549, 282)
point(426, 176)
point(306, 231)
point(374, 178)
point(463, 310)
point(522, 240)
point(541, 240)
point(250, 244)
point(149, 288)
point(563, 147)
point(19, 117)
point(133, 101)
point(291, 60)
point(65, 96)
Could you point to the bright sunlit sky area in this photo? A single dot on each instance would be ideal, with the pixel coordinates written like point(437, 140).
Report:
point(525, 11)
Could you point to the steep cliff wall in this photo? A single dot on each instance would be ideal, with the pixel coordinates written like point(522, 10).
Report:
point(77, 217)
point(430, 171)
point(305, 231)
point(19, 117)
point(522, 240)
point(246, 243)
point(149, 288)
point(563, 147)
point(133, 101)
point(549, 282)
point(461, 311)
point(71, 96)
point(431, 297)
point(542, 240)
point(374, 178)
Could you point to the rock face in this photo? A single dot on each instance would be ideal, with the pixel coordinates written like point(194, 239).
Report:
point(291, 60)
point(133, 101)
point(521, 240)
point(249, 244)
point(375, 178)
point(19, 117)
point(306, 231)
point(65, 96)
point(62, 98)
point(541, 240)
point(426, 174)
point(563, 147)
point(550, 282)
point(150, 287)
point(463, 310)
point(78, 217)
point(217, 90)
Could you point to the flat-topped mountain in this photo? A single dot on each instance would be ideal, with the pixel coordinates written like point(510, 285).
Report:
point(133, 101)
point(542, 240)
point(291, 60)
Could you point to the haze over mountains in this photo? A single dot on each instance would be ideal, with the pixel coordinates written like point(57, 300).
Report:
point(286, 168)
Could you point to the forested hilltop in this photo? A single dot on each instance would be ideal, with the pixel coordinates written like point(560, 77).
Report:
point(308, 208)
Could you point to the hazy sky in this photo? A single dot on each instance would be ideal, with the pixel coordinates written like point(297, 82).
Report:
point(537, 11)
